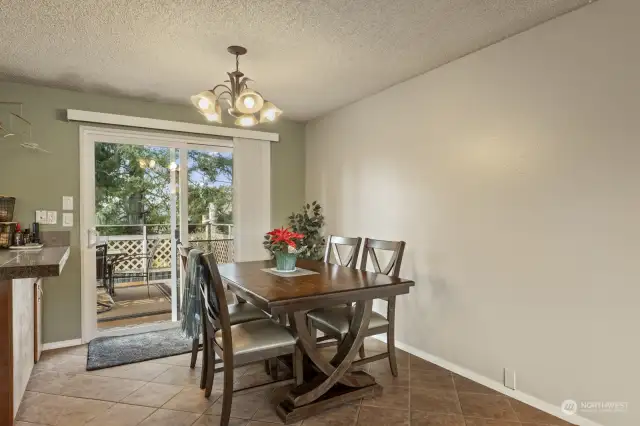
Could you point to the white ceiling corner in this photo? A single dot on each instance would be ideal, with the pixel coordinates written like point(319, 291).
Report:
point(307, 56)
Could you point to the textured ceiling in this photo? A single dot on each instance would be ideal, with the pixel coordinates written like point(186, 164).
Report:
point(307, 56)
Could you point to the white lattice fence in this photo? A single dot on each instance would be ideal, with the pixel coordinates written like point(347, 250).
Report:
point(162, 258)
point(222, 249)
point(131, 245)
point(128, 247)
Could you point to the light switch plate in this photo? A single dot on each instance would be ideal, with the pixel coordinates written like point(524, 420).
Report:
point(67, 219)
point(52, 217)
point(67, 202)
point(41, 216)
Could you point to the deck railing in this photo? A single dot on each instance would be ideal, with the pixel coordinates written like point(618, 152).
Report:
point(216, 238)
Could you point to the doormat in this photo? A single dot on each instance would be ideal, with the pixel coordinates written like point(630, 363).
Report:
point(105, 352)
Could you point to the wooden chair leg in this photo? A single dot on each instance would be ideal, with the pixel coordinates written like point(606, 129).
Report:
point(227, 394)
point(205, 351)
point(363, 355)
point(267, 367)
point(195, 345)
point(391, 336)
point(298, 367)
point(313, 332)
point(211, 368)
point(205, 363)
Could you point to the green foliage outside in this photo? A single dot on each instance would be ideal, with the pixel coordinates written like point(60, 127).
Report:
point(133, 187)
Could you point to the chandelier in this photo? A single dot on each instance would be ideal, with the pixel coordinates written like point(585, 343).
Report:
point(245, 104)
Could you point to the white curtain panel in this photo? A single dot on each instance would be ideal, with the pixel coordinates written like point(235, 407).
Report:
point(251, 197)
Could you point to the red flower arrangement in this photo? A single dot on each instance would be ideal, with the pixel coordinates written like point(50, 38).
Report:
point(281, 240)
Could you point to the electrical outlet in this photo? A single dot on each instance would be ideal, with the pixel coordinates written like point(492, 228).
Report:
point(41, 216)
point(510, 378)
point(52, 217)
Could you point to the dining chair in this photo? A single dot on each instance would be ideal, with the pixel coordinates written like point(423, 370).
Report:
point(237, 344)
point(351, 260)
point(335, 321)
point(238, 313)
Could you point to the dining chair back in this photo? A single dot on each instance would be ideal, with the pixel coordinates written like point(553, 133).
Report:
point(183, 252)
point(334, 322)
point(395, 262)
point(237, 344)
point(392, 268)
point(239, 312)
point(351, 259)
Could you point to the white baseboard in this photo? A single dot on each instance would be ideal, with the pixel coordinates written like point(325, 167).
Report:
point(62, 344)
point(552, 409)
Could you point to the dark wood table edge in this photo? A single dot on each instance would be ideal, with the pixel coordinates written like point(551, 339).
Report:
point(321, 301)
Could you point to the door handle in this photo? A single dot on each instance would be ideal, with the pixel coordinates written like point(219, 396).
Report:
point(92, 237)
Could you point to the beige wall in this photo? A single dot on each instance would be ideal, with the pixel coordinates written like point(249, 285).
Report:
point(39, 181)
point(514, 176)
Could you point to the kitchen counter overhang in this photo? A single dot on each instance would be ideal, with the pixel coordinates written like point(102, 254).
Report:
point(19, 271)
point(46, 262)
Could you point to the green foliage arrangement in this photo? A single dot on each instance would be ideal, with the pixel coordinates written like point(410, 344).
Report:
point(309, 222)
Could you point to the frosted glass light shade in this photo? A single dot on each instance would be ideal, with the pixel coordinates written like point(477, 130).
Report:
point(269, 113)
point(246, 120)
point(249, 101)
point(204, 100)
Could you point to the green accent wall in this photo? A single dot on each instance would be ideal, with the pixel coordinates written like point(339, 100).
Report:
point(39, 180)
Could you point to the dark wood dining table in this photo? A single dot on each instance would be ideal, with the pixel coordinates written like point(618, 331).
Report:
point(323, 383)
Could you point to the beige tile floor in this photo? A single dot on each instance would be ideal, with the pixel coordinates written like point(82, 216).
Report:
point(165, 392)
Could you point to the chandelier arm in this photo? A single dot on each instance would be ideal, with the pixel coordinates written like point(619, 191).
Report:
point(226, 92)
point(220, 85)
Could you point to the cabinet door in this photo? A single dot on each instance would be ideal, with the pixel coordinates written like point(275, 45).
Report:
point(23, 330)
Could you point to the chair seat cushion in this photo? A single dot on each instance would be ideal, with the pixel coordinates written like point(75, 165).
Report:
point(258, 336)
point(244, 312)
point(337, 319)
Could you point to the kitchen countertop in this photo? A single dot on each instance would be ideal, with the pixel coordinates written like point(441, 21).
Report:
point(46, 262)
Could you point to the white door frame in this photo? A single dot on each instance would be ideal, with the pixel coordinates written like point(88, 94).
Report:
point(88, 137)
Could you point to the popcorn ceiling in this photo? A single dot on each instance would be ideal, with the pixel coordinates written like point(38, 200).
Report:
point(307, 56)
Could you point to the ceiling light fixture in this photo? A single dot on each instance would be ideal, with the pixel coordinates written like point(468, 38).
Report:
point(245, 104)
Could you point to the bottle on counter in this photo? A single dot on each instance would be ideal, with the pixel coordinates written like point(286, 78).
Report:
point(35, 233)
point(26, 237)
point(17, 236)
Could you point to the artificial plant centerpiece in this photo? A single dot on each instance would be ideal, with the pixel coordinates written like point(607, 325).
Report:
point(309, 222)
point(283, 244)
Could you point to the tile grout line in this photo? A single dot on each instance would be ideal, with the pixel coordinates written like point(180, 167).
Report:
point(455, 389)
point(357, 416)
point(150, 414)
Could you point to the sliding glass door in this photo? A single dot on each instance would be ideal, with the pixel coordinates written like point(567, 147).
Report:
point(141, 195)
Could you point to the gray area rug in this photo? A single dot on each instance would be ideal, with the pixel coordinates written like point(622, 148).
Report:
point(105, 352)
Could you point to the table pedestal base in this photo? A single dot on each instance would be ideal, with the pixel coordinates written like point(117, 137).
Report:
point(337, 395)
